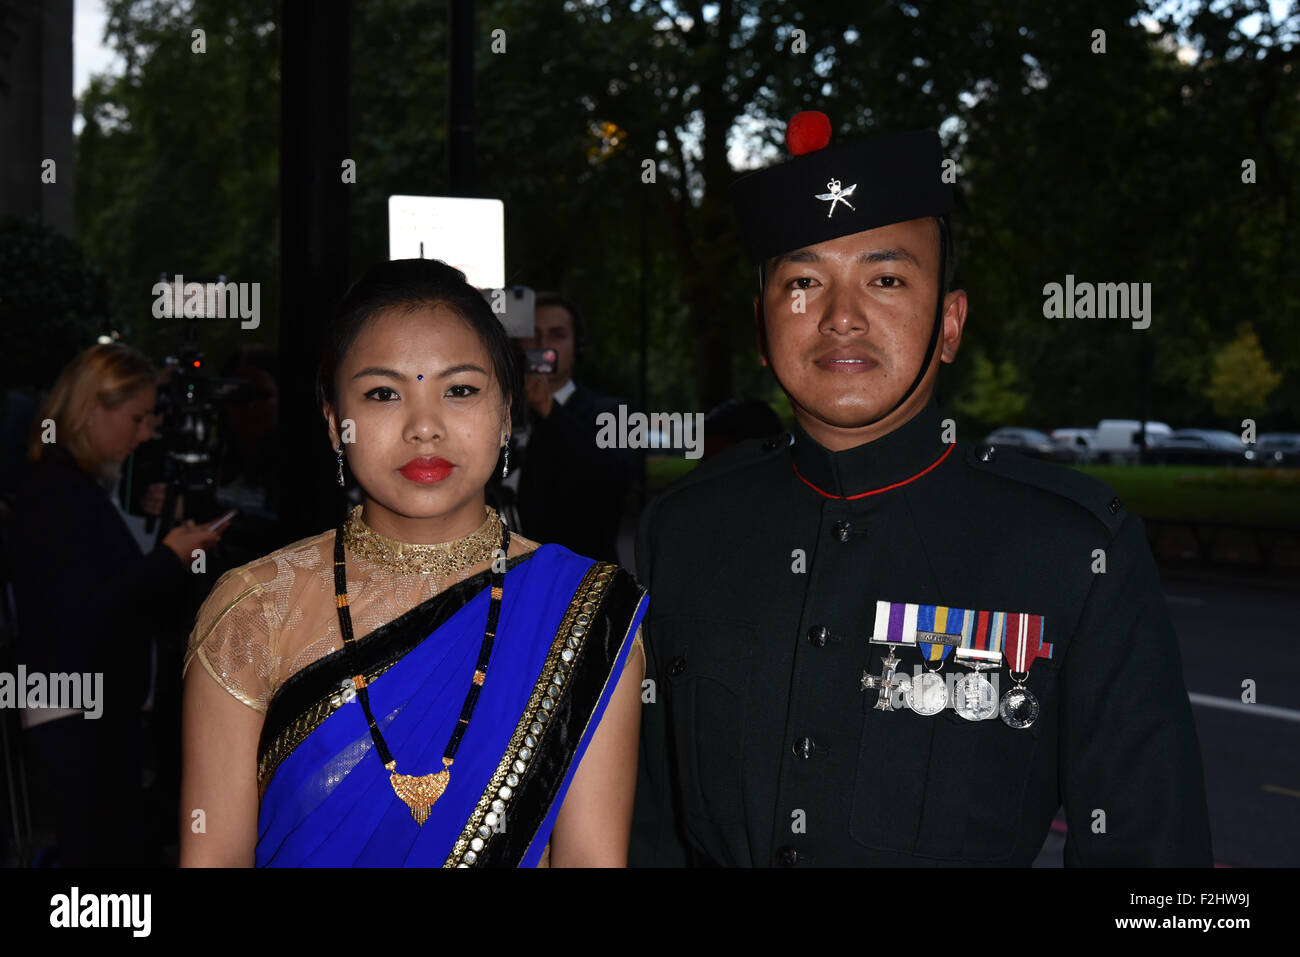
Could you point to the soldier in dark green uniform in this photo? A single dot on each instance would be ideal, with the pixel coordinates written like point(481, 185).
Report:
point(870, 642)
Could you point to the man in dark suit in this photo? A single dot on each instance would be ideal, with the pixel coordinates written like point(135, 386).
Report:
point(571, 491)
point(814, 594)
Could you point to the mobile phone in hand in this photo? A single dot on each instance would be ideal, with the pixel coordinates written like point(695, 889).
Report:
point(541, 361)
point(223, 520)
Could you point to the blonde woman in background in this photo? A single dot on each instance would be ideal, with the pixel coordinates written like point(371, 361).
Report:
point(88, 599)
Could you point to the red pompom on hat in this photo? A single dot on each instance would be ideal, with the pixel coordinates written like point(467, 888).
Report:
point(807, 132)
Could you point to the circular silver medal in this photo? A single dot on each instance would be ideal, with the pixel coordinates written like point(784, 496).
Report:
point(1019, 707)
point(976, 698)
point(928, 693)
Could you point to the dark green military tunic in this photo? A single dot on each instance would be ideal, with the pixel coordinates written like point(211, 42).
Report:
point(761, 747)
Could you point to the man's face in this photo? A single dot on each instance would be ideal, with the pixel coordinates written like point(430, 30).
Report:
point(554, 330)
point(848, 321)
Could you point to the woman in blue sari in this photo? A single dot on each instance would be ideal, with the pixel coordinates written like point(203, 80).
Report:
point(418, 687)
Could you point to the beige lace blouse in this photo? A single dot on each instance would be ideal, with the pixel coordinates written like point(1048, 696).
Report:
point(264, 621)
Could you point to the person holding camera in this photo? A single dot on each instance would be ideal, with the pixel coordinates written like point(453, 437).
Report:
point(88, 601)
point(571, 491)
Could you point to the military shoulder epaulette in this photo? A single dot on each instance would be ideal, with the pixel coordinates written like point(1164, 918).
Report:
point(742, 455)
point(1093, 494)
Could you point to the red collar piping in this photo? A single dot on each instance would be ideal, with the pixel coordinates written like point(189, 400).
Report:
point(876, 491)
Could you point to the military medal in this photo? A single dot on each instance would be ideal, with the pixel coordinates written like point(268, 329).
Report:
point(1019, 706)
point(976, 698)
point(980, 650)
point(895, 626)
point(928, 693)
point(886, 683)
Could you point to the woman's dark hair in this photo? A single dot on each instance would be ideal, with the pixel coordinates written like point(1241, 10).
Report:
point(413, 284)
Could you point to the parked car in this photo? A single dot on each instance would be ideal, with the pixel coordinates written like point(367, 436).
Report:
point(1276, 448)
point(1081, 442)
point(1200, 447)
point(1029, 442)
point(1118, 439)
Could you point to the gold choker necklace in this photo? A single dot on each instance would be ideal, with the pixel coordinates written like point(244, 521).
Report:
point(441, 559)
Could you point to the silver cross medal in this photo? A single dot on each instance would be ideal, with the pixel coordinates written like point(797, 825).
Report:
point(886, 683)
point(836, 195)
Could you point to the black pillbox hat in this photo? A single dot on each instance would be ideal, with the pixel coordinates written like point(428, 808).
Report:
point(837, 191)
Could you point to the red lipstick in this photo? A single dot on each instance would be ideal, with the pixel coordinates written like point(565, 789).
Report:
point(427, 470)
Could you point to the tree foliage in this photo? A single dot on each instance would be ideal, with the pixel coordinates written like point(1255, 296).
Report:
point(178, 162)
point(53, 304)
point(1241, 376)
point(1122, 166)
point(994, 394)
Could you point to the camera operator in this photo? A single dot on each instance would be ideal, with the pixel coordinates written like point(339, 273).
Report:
point(89, 601)
point(570, 491)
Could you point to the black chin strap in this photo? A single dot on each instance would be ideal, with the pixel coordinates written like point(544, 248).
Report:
point(938, 322)
point(934, 331)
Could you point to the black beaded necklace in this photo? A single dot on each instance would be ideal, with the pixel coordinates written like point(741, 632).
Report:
point(420, 792)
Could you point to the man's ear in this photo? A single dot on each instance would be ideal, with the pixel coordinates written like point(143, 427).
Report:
point(954, 322)
point(760, 331)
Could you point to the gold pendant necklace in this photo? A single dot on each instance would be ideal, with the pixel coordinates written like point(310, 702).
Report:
point(421, 792)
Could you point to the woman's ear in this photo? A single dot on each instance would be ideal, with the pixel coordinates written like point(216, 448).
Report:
point(331, 424)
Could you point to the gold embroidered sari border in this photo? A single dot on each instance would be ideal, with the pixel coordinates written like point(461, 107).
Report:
point(534, 723)
point(628, 636)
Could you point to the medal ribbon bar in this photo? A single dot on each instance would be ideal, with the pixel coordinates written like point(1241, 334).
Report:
point(895, 623)
point(938, 630)
point(1025, 641)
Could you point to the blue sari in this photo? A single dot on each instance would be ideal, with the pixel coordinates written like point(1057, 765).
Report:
point(564, 635)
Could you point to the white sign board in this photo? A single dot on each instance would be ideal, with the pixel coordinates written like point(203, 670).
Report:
point(469, 234)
